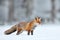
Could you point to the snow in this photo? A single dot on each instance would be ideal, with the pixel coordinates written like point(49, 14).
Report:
point(42, 32)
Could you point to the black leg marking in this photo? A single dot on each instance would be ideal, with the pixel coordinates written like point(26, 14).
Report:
point(31, 32)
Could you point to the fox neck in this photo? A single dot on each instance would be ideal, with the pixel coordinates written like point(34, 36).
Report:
point(33, 24)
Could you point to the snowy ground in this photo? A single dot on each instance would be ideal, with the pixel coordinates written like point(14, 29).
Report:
point(42, 32)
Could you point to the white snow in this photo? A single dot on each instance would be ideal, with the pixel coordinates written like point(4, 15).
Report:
point(42, 32)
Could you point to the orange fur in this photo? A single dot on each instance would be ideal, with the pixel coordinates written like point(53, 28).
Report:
point(27, 26)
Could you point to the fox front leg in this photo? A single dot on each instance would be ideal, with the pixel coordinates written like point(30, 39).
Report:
point(31, 32)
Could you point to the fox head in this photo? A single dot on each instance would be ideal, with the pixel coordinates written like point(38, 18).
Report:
point(38, 20)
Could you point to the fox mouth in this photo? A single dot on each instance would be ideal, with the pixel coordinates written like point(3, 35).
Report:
point(39, 22)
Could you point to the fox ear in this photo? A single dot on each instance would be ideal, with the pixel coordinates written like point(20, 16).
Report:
point(38, 17)
point(35, 18)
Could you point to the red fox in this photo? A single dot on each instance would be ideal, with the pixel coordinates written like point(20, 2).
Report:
point(24, 26)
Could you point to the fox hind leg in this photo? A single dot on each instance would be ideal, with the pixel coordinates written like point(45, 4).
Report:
point(19, 30)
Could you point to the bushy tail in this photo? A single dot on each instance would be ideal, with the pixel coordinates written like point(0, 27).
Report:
point(11, 30)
